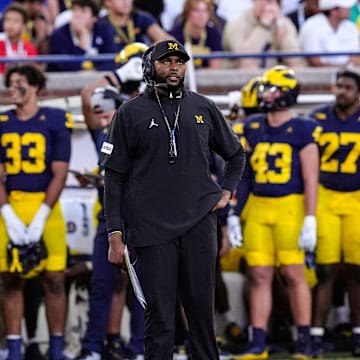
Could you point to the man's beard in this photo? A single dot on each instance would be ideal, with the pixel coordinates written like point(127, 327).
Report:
point(161, 82)
point(343, 105)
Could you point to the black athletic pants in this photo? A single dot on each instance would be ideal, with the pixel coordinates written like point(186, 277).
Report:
point(183, 267)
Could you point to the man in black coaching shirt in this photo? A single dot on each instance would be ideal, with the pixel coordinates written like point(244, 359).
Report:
point(161, 200)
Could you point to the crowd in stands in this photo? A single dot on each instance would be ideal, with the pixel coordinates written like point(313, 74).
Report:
point(91, 27)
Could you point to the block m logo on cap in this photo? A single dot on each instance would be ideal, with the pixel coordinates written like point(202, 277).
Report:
point(173, 46)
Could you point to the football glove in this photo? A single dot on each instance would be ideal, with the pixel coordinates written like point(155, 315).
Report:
point(234, 231)
point(131, 71)
point(307, 238)
point(234, 98)
point(15, 228)
point(26, 260)
point(36, 227)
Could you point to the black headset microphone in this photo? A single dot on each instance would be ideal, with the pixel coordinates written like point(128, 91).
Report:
point(161, 85)
point(149, 70)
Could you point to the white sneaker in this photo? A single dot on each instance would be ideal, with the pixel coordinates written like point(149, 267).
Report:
point(87, 355)
point(180, 353)
point(3, 354)
point(224, 355)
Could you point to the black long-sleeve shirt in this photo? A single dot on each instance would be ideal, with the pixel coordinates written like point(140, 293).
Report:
point(147, 196)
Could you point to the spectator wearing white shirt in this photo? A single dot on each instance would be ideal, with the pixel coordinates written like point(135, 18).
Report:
point(331, 31)
point(172, 9)
point(260, 29)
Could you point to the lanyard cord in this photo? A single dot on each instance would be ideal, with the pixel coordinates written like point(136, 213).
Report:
point(121, 34)
point(172, 142)
point(188, 38)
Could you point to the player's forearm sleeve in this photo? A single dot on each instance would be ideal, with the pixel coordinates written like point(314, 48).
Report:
point(113, 200)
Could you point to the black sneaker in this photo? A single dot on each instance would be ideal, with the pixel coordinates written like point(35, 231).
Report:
point(356, 345)
point(88, 355)
point(32, 352)
point(317, 346)
point(343, 330)
point(303, 351)
point(234, 333)
point(115, 351)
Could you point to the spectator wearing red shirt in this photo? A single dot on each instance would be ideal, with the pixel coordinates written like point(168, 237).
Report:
point(12, 44)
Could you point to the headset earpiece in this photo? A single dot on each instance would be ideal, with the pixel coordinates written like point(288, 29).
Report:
point(148, 66)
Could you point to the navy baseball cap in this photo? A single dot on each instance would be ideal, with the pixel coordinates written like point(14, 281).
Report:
point(167, 48)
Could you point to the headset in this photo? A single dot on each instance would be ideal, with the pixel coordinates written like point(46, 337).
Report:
point(148, 67)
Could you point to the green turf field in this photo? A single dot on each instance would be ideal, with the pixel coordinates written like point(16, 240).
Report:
point(342, 354)
point(333, 356)
point(279, 347)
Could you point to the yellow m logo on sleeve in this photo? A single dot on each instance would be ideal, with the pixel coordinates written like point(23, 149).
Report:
point(199, 119)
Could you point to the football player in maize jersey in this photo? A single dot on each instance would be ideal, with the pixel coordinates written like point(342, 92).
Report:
point(280, 221)
point(34, 156)
point(242, 104)
point(100, 101)
point(339, 204)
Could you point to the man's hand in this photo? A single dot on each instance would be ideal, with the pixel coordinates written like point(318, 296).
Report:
point(83, 181)
point(36, 228)
point(15, 228)
point(307, 238)
point(116, 249)
point(225, 198)
point(131, 71)
point(270, 15)
point(79, 25)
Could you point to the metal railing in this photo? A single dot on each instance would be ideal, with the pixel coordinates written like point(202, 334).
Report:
point(214, 55)
point(73, 102)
